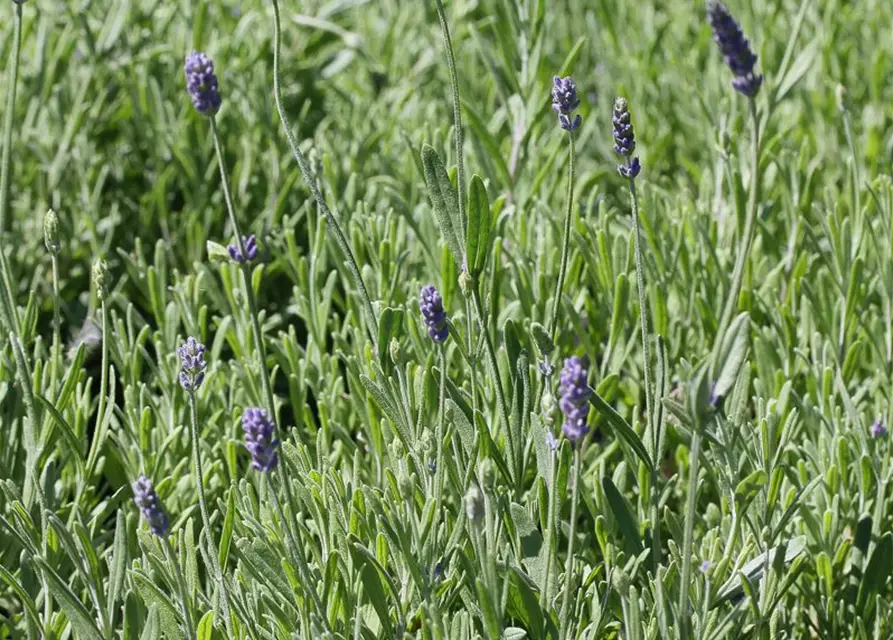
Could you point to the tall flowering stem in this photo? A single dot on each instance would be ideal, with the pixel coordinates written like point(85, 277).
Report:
point(691, 502)
point(245, 268)
point(574, 403)
point(192, 374)
point(8, 312)
point(625, 146)
point(564, 102)
point(307, 174)
point(741, 60)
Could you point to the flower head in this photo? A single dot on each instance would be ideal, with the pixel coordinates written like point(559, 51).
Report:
point(878, 429)
point(192, 364)
point(201, 83)
point(551, 441)
point(735, 48)
point(431, 305)
point(574, 401)
point(101, 279)
point(565, 102)
point(250, 244)
point(260, 439)
point(625, 139)
point(147, 500)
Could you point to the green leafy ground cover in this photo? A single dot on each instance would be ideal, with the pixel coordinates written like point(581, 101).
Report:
point(735, 481)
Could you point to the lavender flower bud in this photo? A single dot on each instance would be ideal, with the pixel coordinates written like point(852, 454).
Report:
point(565, 102)
point(431, 305)
point(551, 441)
point(735, 48)
point(878, 429)
point(574, 401)
point(250, 244)
point(625, 139)
point(147, 500)
point(101, 279)
point(260, 439)
point(201, 83)
point(51, 231)
point(192, 364)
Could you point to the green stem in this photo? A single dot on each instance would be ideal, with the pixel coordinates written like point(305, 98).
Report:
point(9, 312)
point(690, 507)
point(298, 552)
point(340, 238)
point(181, 587)
point(439, 436)
point(746, 239)
point(457, 108)
point(497, 380)
point(98, 433)
point(246, 276)
point(57, 328)
point(649, 417)
point(569, 563)
point(565, 245)
point(206, 518)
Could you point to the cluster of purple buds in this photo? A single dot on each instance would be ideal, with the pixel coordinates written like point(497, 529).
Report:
point(735, 49)
point(625, 139)
point(192, 364)
point(260, 439)
point(201, 83)
point(878, 429)
point(147, 500)
point(565, 102)
point(435, 318)
point(574, 402)
point(250, 244)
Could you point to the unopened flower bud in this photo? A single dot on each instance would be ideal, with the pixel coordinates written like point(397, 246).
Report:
point(51, 231)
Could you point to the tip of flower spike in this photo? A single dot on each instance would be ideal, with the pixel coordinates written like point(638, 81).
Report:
point(201, 83)
point(433, 314)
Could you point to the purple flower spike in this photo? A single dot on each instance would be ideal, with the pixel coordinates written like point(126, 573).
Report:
point(878, 429)
point(147, 500)
point(250, 244)
point(260, 440)
point(201, 83)
point(192, 364)
point(565, 102)
point(735, 48)
point(574, 402)
point(625, 139)
point(431, 305)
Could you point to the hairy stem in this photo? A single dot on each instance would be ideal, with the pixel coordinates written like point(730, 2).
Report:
point(746, 239)
point(497, 381)
point(649, 417)
point(246, 276)
point(340, 238)
point(569, 563)
point(206, 518)
point(8, 312)
point(687, 541)
point(565, 243)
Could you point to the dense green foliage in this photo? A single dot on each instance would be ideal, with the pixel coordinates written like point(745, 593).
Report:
point(416, 495)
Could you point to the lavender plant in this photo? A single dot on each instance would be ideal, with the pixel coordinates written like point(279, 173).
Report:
point(344, 452)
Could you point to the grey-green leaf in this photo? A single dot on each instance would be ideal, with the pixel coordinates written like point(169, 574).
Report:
point(477, 242)
point(444, 201)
